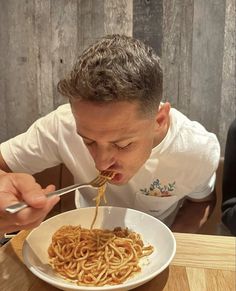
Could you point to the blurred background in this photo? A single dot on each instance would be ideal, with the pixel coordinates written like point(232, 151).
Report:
point(40, 39)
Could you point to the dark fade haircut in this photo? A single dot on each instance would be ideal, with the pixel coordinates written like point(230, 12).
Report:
point(116, 68)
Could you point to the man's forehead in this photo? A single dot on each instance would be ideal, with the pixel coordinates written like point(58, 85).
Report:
point(114, 121)
point(107, 127)
point(119, 111)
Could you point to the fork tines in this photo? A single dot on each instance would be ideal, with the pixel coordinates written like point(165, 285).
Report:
point(107, 174)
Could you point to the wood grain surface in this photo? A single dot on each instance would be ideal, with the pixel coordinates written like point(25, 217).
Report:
point(201, 263)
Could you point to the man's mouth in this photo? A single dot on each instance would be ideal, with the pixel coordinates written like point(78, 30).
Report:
point(117, 178)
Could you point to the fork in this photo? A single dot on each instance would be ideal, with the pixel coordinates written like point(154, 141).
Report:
point(99, 181)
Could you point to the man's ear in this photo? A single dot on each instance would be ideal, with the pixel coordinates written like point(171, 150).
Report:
point(162, 116)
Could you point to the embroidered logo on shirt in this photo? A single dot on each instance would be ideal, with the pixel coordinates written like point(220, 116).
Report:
point(156, 189)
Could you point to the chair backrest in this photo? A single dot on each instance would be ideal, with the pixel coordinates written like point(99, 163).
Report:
point(210, 227)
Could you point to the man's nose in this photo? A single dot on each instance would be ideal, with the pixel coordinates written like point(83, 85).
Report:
point(104, 158)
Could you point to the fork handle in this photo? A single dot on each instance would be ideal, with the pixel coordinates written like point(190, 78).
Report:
point(22, 205)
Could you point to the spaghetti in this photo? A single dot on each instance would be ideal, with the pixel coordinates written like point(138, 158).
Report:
point(100, 195)
point(96, 257)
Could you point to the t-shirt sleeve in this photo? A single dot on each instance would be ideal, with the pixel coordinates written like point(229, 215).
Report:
point(36, 149)
point(204, 190)
point(204, 169)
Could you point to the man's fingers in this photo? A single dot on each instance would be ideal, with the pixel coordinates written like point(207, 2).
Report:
point(49, 189)
point(26, 218)
point(23, 187)
point(37, 198)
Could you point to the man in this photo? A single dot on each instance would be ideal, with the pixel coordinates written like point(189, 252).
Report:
point(17, 186)
point(115, 121)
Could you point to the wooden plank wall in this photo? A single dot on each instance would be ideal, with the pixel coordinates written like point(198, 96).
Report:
point(39, 40)
point(199, 61)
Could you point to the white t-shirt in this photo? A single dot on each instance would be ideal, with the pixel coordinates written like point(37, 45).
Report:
point(182, 165)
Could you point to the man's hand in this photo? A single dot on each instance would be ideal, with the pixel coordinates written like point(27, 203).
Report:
point(15, 187)
point(193, 214)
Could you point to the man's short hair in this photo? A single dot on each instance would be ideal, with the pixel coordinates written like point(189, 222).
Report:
point(116, 68)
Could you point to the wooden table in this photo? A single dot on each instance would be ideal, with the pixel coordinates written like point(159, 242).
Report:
point(202, 262)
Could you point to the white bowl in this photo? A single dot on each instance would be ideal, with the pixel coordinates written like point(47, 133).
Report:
point(152, 230)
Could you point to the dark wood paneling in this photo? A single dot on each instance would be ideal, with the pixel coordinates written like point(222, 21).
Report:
point(207, 62)
point(4, 40)
point(40, 39)
point(199, 61)
point(228, 88)
point(19, 105)
point(118, 16)
point(147, 23)
point(63, 43)
point(177, 52)
point(90, 22)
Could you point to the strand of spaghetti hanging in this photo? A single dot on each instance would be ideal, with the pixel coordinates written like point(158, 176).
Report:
point(101, 193)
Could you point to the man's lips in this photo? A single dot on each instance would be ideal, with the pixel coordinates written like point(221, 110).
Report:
point(117, 177)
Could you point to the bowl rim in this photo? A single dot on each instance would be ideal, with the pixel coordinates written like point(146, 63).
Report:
point(38, 273)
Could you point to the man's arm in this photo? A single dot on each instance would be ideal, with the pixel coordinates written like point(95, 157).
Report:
point(3, 164)
point(193, 214)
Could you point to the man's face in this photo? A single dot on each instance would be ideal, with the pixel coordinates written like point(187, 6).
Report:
point(117, 136)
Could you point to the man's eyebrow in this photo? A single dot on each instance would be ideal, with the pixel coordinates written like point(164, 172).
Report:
point(114, 141)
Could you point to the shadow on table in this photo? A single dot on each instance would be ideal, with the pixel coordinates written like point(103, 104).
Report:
point(157, 284)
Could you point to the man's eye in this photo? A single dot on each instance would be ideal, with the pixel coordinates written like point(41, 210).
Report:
point(88, 143)
point(123, 147)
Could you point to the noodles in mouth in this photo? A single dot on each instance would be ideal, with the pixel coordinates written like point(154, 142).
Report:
point(96, 257)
